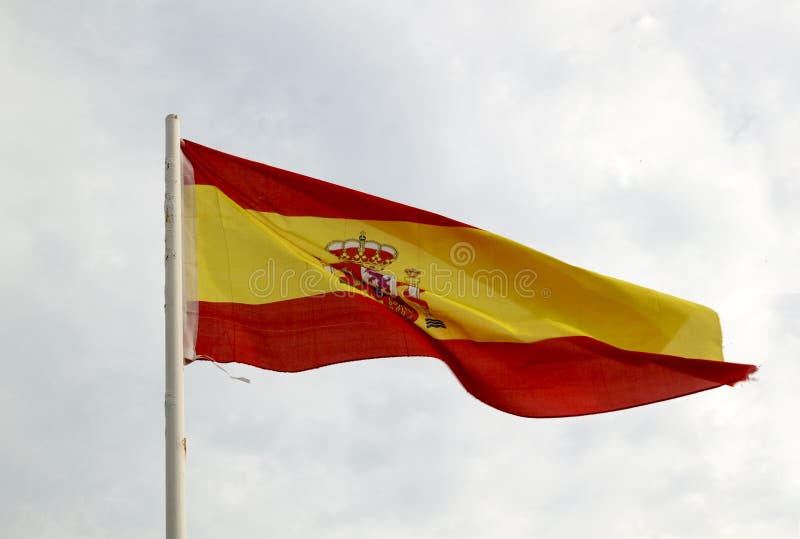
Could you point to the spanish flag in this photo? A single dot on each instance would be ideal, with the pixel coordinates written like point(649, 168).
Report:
point(290, 273)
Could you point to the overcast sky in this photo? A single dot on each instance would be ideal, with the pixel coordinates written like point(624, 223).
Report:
point(652, 141)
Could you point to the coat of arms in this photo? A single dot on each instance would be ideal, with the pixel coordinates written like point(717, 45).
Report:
point(361, 265)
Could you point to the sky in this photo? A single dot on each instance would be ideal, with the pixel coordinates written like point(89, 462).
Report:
point(652, 141)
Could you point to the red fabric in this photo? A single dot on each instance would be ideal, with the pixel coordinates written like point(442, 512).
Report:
point(259, 187)
point(556, 377)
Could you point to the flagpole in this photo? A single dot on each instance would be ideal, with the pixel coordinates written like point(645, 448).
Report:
point(173, 311)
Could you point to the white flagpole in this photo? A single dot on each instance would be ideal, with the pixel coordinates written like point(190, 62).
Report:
point(173, 310)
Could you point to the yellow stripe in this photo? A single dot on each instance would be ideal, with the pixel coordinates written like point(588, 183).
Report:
point(484, 287)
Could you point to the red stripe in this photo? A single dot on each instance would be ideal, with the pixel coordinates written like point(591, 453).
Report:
point(259, 187)
point(556, 377)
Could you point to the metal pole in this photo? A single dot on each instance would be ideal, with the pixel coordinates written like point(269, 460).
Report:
point(173, 310)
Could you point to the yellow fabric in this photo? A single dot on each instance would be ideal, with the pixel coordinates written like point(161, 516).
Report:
point(484, 287)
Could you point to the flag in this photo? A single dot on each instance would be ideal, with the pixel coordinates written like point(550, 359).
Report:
point(289, 273)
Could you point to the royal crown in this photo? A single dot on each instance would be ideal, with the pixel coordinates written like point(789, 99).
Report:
point(370, 254)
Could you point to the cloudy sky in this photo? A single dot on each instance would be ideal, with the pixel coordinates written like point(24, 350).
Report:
point(652, 141)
